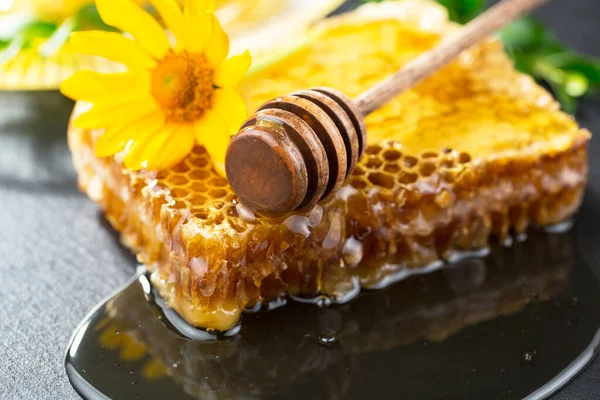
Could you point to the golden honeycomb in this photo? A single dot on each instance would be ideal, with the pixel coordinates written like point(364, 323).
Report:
point(474, 152)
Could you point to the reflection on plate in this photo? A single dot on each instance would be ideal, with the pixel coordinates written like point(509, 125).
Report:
point(481, 328)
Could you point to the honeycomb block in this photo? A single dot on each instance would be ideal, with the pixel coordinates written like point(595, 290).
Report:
point(477, 151)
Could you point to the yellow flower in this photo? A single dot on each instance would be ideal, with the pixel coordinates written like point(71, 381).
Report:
point(171, 97)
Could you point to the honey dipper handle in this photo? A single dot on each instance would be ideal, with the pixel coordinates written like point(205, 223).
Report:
point(427, 63)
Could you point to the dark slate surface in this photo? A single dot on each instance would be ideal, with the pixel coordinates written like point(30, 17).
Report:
point(58, 258)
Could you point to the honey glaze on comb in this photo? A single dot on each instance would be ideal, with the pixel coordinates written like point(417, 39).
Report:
point(360, 234)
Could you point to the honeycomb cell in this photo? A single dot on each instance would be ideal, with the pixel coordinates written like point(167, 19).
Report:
point(197, 199)
point(182, 167)
point(217, 193)
point(373, 163)
point(406, 177)
point(358, 170)
point(392, 155)
point(358, 183)
point(448, 162)
point(410, 161)
point(199, 213)
point(429, 154)
point(217, 205)
point(427, 168)
point(373, 150)
point(199, 186)
point(381, 179)
point(464, 158)
point(198, 175)
point(392, 168)
point(219, 182)
point(177, 180)
point(179, 193)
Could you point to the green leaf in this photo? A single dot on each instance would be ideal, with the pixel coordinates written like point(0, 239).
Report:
point(523, 33)
point(36, 30)
point(523, 62)
point(88, 18)
point(576, 84)
point(462, 11)
point(568, 103)
point(573, 62)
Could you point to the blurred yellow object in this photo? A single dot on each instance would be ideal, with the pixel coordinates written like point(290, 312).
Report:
point(30, 71)
point(45, 10)
point(269, 28)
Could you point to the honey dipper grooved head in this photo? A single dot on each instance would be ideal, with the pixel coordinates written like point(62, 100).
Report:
point(295, 151)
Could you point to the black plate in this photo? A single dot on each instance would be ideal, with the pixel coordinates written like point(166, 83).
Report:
point(501, 327)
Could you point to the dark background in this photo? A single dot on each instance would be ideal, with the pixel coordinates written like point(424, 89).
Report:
point(58, 259)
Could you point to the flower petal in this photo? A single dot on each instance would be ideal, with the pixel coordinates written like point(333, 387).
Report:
point(172, 16)
point(211, 132)
point(130, 18)
point(217, 47)
point(116, 138)
point(231, 108)
point(179, 143)
point(232, 70)
point(143, 133)
point(105, 115)
point(198, 27)
point(148, 149)
point(200, 5)
point(113, 46)
point(92, 86)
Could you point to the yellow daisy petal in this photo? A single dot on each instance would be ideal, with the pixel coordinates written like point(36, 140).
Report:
point(172, 16)
point(108, 114)
point(198, 28)
point(130, 18)
point(92, 86)
point(115, 138)
point(145, 152)
point(202, 5)
point(217, 48)
point(232, 70)
point(231, 107)
point(113, 46)
point(211, 132)
point(178, 145)
point(142, 133)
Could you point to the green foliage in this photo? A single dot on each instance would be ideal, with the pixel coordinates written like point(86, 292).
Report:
point(49, 37)
point(537, 52)
point(463, 11)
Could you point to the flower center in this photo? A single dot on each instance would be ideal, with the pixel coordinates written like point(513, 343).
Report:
point(182, 83)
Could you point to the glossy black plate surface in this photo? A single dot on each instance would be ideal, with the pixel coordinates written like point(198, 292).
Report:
point(501, 327)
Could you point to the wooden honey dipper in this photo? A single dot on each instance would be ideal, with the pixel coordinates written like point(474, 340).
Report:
point(298, 149)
